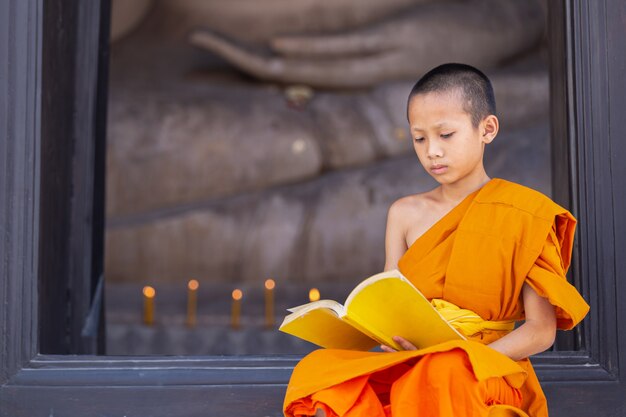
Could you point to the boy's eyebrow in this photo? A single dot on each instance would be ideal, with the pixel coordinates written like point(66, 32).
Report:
point(437, 125)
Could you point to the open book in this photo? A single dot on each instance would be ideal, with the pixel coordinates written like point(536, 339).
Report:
point(382, 306)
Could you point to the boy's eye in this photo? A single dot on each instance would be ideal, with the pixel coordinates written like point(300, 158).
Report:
point(419, 139)
point(447, 135)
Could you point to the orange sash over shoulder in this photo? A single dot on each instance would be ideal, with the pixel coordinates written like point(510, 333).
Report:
point(477, 257)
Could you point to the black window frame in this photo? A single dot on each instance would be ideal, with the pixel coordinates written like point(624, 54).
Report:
point(588, 99)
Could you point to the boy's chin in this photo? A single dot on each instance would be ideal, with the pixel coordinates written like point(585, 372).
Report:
point(442, 179)
point(446, 179)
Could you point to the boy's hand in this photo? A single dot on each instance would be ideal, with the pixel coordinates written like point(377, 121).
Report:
point(406, 345)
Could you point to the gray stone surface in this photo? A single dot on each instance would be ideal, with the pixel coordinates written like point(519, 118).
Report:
point(166, 150)
point(328, 228)
point(483, 33)
point(344, 133)
point(211, 174)
point(180, 145)
point(186, 129)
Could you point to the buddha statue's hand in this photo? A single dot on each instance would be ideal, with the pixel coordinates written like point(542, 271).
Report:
point(477, 32)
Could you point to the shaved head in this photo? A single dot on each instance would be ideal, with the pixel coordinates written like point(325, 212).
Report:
point(474, 88)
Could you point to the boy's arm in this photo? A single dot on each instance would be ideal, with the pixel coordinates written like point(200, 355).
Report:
point(395, 240)
point(536, 334)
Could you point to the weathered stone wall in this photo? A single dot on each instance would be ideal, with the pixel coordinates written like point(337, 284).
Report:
point(213, 175)
point(324, 229)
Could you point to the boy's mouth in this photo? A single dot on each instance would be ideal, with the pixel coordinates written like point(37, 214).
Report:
point(438, 169)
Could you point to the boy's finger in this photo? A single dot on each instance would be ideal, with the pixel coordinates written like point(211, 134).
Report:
point(406, 345)
point(386, 348)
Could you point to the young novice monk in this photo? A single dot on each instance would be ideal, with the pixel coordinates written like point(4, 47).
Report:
point(487, 252)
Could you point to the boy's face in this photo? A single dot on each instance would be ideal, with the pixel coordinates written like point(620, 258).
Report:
point(449, 147)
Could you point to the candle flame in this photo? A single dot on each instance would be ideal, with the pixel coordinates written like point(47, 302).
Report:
point(193, 285)
point(237, 294)
point(270, 284)
point(314, 294)
point(149, 292)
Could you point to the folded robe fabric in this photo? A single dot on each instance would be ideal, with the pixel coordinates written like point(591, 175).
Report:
point(476, 257)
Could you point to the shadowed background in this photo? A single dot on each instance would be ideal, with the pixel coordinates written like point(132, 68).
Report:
point(266, 139)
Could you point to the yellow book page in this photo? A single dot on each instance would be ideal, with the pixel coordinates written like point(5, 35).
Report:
point(388, 305)
point(323, 327)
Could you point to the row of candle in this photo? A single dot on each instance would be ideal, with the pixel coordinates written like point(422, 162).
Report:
point(149, 295)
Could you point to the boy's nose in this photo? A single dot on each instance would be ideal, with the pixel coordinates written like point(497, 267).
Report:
point(434, 151)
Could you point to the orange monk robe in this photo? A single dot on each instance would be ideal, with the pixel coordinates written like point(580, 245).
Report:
point(478, 257)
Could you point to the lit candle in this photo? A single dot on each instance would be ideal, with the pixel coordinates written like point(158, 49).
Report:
point(269, 303)
point(148, 305)
point(192, 302)
point(236, 309)
point(314, 294)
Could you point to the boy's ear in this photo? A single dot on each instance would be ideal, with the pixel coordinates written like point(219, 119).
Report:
point(489, 128)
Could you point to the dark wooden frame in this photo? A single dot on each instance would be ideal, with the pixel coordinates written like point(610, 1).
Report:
point(589, 100)
point(71, 198)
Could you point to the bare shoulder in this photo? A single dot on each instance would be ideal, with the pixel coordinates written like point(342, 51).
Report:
point(414, 203)
point(412, 208)
point(414, 214)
